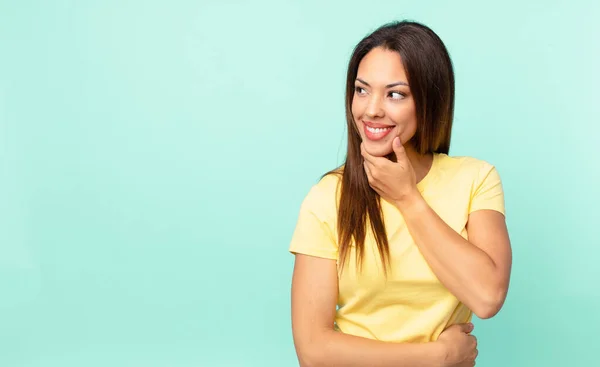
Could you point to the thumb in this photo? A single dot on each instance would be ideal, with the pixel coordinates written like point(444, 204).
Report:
point(398, 148)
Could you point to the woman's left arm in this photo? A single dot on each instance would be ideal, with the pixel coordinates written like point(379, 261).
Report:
point(476, 271)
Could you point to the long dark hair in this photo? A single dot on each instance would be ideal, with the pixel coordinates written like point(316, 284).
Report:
point(431, 78)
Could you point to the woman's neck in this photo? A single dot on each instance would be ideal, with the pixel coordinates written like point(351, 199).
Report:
point(421, 162)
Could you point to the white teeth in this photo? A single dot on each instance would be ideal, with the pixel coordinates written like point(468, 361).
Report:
point(378, 129)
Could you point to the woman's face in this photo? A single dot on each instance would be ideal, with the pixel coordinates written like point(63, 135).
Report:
point(383, 106)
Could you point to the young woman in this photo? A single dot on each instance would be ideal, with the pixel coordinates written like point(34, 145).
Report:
point(404, 239)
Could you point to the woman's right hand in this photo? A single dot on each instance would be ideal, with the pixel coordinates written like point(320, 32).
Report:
point(460, 346)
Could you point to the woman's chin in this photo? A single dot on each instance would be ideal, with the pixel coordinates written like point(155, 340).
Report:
point(378, 150)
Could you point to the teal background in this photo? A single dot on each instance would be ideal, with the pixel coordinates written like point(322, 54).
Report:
point(154, 154)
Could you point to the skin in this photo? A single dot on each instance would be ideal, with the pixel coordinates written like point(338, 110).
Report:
point(476, 271)
point(314, 299)
point(390, 106)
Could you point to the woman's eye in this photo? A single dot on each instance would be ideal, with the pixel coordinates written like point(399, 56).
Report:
point(359, 90)
point(396, 95)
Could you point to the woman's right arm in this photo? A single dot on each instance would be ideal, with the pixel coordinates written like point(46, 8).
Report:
point(314, 299)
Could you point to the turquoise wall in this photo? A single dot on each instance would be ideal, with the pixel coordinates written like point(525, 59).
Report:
point(154, 154)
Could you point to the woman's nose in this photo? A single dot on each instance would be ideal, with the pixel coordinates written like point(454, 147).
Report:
point(374, 108)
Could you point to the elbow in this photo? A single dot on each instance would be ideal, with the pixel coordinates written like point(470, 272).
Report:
point(310, 353)
point(490, 305)
point(487, 312)
point(307, 362)
point(310, 356)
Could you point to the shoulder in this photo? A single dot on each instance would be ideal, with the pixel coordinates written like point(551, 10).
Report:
point(481, 179)
point(315, 233)
point(466, 167)
point(323, 196)
point(329, 184)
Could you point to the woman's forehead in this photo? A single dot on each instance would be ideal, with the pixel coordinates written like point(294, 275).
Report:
point(381, 67)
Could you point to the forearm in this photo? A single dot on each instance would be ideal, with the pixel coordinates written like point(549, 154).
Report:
point(464, 269)
point(336, 349)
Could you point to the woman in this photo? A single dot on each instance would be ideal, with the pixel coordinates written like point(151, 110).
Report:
point(404, 239)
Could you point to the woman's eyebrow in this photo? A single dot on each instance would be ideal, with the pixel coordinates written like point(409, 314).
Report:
point(387, 86)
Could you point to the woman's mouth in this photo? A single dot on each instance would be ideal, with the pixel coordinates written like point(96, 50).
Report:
point(376, 131)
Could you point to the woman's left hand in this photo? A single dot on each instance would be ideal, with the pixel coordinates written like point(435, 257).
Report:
point(393, 181)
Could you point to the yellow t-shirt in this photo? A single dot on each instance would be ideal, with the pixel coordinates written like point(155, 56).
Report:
point(412, 305)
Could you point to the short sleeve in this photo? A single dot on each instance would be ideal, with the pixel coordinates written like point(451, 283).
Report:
point(314, 233)
point(488, 192)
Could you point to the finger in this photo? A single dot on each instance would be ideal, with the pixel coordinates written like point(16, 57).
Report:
point(398, 147)
point(372, 181)
point(466, 328)
point(376, 170)
point(366, 165)
point(372, 172)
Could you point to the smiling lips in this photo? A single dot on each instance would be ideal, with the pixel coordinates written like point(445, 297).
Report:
point(374, 131)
